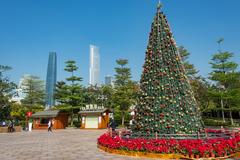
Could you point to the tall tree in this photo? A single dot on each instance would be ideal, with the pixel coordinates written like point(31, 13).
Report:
point(92, 94)
point(107, 91)
point(224, 73)
point(6, 92)
point(33, 88)
point(70, 93)
point(124, 88)
point(166, 102)
point(191, 71)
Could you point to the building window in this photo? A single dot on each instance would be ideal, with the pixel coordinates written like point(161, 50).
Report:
point(44, 121)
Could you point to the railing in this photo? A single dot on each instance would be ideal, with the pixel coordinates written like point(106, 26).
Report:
point(128, 134)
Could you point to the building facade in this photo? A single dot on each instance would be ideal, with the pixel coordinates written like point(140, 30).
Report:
point(94, 117)
point(51, 79)
point(19, 91)
point(94, 69)
point(109, 80)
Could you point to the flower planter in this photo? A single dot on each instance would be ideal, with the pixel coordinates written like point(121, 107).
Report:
point(197, 156)
point(140, 154)
point(212, 155)
point(206, 156)
point(191, 156)
point(167, 149)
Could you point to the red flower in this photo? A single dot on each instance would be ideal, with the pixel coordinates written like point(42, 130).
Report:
point(218, 146)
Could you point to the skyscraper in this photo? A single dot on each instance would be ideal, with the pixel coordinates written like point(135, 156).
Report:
point(51, 79)
point(109, 80)
point(94, 65)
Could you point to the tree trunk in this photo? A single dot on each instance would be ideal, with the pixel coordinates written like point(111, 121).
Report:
point(72, 118)
point(222, 111)
point(231, 118)
point(123, 118)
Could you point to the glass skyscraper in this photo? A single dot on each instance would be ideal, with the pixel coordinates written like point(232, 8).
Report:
point(94, 66)
point(51, 79)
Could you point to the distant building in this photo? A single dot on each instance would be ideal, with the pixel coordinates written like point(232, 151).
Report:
point(51, 79)
point(94, 69)
point(19, 95)
point(109, 80)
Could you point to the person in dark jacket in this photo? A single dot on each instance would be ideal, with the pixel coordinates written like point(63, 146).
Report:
point(113, 125)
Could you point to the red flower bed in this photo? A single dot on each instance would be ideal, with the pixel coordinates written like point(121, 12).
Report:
point(220, 147)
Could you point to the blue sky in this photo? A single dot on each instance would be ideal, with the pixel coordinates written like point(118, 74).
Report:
point(30, 29)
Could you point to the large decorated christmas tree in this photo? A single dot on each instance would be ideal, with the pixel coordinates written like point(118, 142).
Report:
point(166, 102)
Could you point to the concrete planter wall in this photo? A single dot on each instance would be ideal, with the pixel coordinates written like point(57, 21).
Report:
point(5, 129)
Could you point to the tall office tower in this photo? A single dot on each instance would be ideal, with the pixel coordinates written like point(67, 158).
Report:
point(94, 66)
point(109, 80)
point(51, 80)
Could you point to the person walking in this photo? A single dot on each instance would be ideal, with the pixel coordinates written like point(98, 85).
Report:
point(113, 126)
point(11, 126)
point(50, 125)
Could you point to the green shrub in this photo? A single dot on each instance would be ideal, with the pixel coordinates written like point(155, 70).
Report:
point(76, 124)
point(215, 122)
point(22, 123)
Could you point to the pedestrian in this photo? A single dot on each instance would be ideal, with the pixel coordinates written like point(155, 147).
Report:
point(113, 126)
point(50, 125)
point(10, 126)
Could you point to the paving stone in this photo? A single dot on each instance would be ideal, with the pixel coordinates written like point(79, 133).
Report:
point(60, 145)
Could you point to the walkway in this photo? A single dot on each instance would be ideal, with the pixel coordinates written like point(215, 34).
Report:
point(60, 145)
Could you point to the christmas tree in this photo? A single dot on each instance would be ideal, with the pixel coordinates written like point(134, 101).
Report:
point(166, 102)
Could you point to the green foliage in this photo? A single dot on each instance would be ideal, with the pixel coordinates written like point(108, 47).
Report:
point(71, 67)
point(123, 73)
point(5, 113)
point(222, 67)
point(18, 111)
point(61, 92)
point(92, 94)
point(123, 96)
point(108, 92)
point(6, 92)
point(33, 88)
point(215, 122)
point(70, 96)
point(226, 89)
point(191, 71)
point(118, 117)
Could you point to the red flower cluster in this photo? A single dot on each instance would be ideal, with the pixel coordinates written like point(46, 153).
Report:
point(208, 130)
point(218, 146)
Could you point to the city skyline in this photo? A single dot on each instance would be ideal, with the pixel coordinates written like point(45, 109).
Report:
point(119, 34)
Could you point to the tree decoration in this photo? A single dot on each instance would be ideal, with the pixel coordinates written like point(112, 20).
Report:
point(166, 102)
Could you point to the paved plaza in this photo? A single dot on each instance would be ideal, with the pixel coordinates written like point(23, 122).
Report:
point(73, 144)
